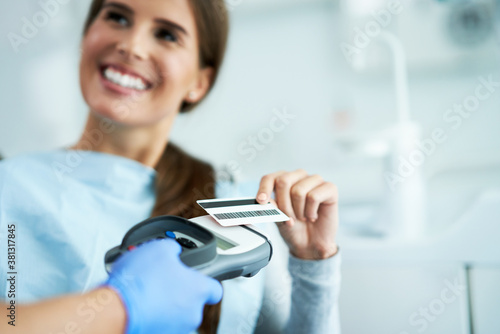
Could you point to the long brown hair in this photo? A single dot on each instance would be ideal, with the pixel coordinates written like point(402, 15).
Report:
point(182, 179)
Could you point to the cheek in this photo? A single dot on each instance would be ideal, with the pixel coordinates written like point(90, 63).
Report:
point(89, 48)
point(178, 74)
point(92, 43)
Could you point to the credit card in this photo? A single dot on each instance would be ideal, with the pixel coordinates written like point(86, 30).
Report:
point(242, 211)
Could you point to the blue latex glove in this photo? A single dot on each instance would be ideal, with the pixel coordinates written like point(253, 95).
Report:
point(160, 293)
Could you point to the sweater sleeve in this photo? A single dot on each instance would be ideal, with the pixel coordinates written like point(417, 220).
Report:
point(314, 300)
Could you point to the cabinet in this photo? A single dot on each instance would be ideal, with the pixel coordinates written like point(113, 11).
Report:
point(400, 298)
point(485, 299)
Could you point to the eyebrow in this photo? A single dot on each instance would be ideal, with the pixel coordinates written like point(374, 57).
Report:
point(129, 10)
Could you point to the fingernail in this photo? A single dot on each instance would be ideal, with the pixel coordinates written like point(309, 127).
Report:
point(262, 197)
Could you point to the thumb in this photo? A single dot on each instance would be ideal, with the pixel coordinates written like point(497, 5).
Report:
point(214, 291)
point(169, 246)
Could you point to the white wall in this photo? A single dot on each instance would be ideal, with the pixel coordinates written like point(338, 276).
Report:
point(287, 57)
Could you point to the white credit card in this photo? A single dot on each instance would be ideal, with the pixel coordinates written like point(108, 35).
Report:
point(242, 211)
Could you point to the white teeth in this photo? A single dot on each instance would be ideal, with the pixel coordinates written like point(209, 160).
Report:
point(124, 80)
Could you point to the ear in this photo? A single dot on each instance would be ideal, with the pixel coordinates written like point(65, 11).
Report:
point(202, 84)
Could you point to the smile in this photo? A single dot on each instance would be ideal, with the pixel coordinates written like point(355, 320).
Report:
point(126, 80)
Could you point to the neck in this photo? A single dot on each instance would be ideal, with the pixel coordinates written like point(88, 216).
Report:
point(143, 144)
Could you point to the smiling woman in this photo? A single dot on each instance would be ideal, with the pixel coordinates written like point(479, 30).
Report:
point(131, 52)
point(168, 62)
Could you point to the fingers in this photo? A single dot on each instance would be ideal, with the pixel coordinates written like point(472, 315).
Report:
point(281, 225)
point(212, 288)
point(214, 292)
point(167, 246)
point(326, 193)
point(151, 249)
point(266, 187)
point(282, 182)
point(298, 194)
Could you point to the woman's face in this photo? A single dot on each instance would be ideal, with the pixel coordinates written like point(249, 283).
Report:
point(140, 61)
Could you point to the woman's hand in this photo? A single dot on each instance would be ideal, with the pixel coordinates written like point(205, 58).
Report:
point(312, 205)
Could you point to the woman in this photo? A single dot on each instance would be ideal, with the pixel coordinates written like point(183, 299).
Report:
point(142, 63)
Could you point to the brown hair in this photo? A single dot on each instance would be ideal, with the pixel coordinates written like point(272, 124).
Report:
point(181, 178)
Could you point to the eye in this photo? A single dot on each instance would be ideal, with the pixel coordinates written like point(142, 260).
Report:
point(116, 17)
point(166, 35)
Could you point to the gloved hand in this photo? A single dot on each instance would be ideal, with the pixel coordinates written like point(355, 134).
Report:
point(160, 293)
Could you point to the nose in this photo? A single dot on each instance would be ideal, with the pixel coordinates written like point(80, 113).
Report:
point(133, 46)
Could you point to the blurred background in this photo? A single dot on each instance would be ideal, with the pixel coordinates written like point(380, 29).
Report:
point(396, 102)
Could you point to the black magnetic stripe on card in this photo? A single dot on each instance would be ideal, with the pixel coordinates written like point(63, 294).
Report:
point(221, 204)
point(246, 214)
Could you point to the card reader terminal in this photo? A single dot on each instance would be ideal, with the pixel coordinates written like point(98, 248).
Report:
point(219, 252)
